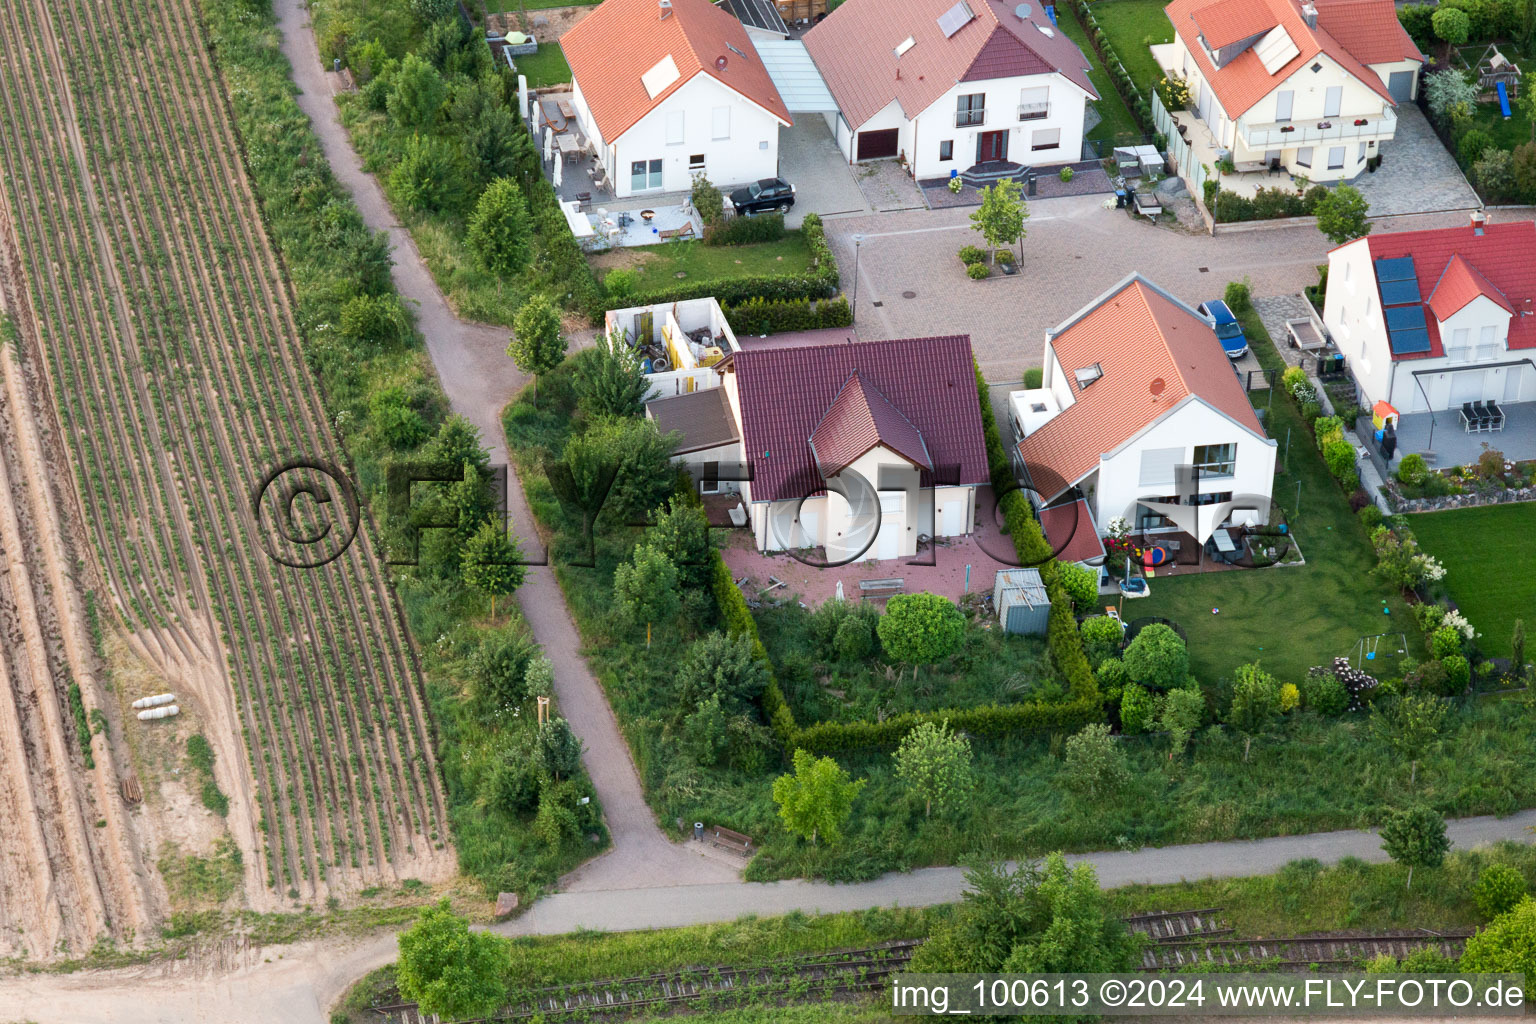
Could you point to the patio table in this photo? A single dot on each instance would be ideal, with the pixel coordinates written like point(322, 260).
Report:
point(1223, 541)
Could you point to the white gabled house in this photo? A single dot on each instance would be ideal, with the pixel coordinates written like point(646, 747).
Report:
point(1429, 321)
point(1141, 416)
point(1309, 86)
point(979, 87)
point(668, 89)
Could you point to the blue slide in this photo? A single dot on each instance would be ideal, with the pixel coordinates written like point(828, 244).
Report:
point(1503, 91)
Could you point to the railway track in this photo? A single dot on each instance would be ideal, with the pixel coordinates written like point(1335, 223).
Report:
point(1180, 939)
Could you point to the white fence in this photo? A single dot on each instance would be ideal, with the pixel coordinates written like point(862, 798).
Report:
point(1180, 152)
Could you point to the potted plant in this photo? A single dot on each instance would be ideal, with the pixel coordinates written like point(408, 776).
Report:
point(955, 185)
point(1066, 174)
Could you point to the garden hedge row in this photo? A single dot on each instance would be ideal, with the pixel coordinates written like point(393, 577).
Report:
point(775, 316)
point(768, 227)
point(1228, 207)
point(819, 281)
point(1062, 641)
point(1130, 94)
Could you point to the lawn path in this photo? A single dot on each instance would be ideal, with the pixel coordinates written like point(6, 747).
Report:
point(480, 380)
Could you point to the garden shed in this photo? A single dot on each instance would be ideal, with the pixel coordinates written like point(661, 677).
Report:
point(1022, 604)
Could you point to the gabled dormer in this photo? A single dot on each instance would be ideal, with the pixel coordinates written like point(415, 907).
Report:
point(1473, 314)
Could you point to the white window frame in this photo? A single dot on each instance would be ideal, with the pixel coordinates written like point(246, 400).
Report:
point(1285, 104)
point(1220, 460)
point(1339, 153)
point(1053, 134)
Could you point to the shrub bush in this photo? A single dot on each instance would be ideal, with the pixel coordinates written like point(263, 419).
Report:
point(1238, 296)
point(1473, 145)
point(1324, 695)
point(775, 316)
point(971, 255)
point(1412, 470)
point(1340, 456)
point(1458, 673)
point(707, 200)
point(1290, 698)
point(1370, 516)
point(1066, 174)
point(1138, 710)
point(1034, 377)
point(978, 271)
point(1499, 889)
point(1157, 658)
point(1445, 642)
point(766, 227)
point(1101, 636)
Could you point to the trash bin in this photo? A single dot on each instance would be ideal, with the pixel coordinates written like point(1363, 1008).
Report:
point(1121, 199)
point(698, 831)
point(1029, 181)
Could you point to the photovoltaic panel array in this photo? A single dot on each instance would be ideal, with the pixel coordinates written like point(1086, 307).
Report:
point(1407, 331)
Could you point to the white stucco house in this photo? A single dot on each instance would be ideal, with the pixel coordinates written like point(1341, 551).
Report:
point(664, 90)
point(859, 448)
point(1140, 415)
point(1430, 320)
point(1309, 86)
point(978, 87)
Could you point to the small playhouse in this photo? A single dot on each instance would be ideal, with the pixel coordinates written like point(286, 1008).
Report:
point(1023, 606)
point(1498, 78)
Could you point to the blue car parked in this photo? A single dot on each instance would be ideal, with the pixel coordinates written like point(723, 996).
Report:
point(1228, 331)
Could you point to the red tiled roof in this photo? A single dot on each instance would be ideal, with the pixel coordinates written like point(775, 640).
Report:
point(1071, 531)
point(1459, 285)
point(786, 392)
point(1242, 82)
point(1229, 21)
point(613, 46)
point(1153, 353)
point(1503, 257)
point(1368, 29)
point(858, 419)
point(855, 50)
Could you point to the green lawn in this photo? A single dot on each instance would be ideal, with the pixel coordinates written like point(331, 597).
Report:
point(1117, 123)
point(1288, 618)
point(1489, 570)
point(1133, 25)
point(659, 265)
point(547, 67)
point(497, 6)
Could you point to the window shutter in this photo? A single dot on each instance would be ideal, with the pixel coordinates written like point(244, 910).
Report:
point(721, 123)
point(1159, 466)
point(675, 127)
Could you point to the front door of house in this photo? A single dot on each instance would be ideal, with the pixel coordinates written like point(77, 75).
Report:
point(991, 146)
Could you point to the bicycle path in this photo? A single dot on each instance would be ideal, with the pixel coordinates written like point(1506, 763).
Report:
point(480, 380)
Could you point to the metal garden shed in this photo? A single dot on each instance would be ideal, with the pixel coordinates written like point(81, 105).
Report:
point(1021, 601)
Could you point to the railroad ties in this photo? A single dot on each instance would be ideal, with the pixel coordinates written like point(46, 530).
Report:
point(1302, 952)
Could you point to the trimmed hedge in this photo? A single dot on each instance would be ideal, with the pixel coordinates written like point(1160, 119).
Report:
point(765, 316)
point(768, 227)
point(818, 282)
point(1139, 106)
point(1062, 641)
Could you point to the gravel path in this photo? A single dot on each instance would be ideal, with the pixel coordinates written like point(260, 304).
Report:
point(480, 380)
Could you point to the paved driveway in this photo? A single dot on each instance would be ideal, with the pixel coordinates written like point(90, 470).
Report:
point(809, 159)
point(1417, 174)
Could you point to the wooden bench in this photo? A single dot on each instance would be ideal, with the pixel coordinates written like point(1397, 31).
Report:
point(667, 234)
point(732, 841)
point(881, 588)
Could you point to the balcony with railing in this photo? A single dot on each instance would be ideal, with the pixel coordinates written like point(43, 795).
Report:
point(1034, 111)
point(970, 118)
point(1289, 134)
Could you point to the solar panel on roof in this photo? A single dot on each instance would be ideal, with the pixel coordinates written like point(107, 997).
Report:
point(1399, 269)
point(956, 18)
point(1405, 318)
point(1397, 293)
point(1408, 342)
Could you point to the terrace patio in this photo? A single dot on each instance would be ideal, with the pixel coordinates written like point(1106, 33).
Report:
point(1443, 441)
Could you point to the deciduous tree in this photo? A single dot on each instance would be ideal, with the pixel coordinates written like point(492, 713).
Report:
point(935, 763)
point(1255, 703)
point(538, 341)
point(1157, 658)
point(645, 587)
point(559, 748)
point(1001, 216)
point(681, 531)
point(493, 563)
point(500, 235)
point(920, 629)
point(723, 666)
point(608, 380)
point(1341, 214)
point(449, 970)
point(1508, 944)
point(1415, 838)
point(1410, 726)
point(417, 95)
point(816, 798)
point(1183, 711)
point(1092, 765)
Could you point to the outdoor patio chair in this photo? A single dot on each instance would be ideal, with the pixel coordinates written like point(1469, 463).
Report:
point(1495, 415)
point(1470, 420)
point(1274, 165)
point(1484, 417)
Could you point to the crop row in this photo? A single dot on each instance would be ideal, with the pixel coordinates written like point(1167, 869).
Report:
point(179, 381)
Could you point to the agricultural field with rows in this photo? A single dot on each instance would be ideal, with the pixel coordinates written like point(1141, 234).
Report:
point(160, 316)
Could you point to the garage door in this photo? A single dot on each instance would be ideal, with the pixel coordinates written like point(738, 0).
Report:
point(1400, 85)
point(877, 145)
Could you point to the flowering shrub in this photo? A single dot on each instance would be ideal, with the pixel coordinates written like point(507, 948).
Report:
point(1455, 620)
point(1356, 683)
point(1173, 90)
point(1301, 389)
point(1400, 562)
point(1290, 697)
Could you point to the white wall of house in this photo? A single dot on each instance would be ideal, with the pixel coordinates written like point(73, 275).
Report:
point(1339, 156)
point(1059, 133)
point(1144, 466)
point(1352, 314)
point(703, 127)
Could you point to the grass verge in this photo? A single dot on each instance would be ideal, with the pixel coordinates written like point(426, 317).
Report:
point(1117, 124)
point(1491, 579)
point(1133, 26)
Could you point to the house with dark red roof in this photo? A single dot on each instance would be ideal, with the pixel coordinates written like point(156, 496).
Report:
point(1432, 321)
point(1140, 417)
point(664, 90)
point(1308, 85)
point(861, 448)
point(982, 88)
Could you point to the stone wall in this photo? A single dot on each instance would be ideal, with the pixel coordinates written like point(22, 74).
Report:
point(1474, 500)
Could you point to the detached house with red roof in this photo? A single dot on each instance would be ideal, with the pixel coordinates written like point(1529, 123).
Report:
point(1310, 87)
point(1432, 321)
point(1140, 416)
point(983, 88)
point(668, 89)
point(860, 448)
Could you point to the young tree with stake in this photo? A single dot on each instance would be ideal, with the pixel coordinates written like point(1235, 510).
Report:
point(537, 344)
point(936, 765)
point(1415, 838)
point(1001, 216)
point(816, 799)
point(493, 562)
point(646, 587)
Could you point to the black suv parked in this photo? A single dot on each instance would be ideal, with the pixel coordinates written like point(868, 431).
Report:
point(766, 194)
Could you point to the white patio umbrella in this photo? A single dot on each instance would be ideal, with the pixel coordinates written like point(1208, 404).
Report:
point(556, 175)
point(840, 590)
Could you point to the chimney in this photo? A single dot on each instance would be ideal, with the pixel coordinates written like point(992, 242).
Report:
point(1478, 220)
point(1309, 12)
point(666, 8)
